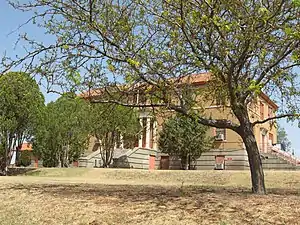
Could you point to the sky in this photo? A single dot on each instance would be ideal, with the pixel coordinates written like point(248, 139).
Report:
point(10, 21)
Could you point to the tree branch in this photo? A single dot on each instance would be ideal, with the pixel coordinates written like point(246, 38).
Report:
point(274, 118)
point(287, 50)
point(218, 123)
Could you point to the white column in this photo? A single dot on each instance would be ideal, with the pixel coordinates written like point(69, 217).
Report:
point(115, 145)
point(141, 136)
point(148, 132)
point(155, 134)
point(121, 141)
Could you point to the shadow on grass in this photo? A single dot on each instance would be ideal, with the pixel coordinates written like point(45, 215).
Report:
point(236, 203)
point(140, 193)
point(20, 171)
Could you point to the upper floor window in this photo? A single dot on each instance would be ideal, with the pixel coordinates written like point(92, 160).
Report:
point(135, 98)
point(262, 109)
point(219, 101)
point(251, 105)
point(142, 98)
point(220, 134)
point(270, 112)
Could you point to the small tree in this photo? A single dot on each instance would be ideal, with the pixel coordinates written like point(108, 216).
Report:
point(110, 123)
point(21, 103)
point(62, 134)
point(24, 158)
point(282, 138)
point(184, 137)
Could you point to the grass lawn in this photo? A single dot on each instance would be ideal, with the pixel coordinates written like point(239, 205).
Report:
point(116, 196)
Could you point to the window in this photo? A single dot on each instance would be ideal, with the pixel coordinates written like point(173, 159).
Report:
point(135, 98)
point(142, 99)
point(220, 134)
point(131, 98)
point(270, 112)
point(251, 105)
point(220, 100)
point(271, 138)
point(262, 115)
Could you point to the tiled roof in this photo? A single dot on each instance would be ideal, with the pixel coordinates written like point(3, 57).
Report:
point(92, 93)
point(268, 100)
point(200, 78)
point(196, 79)
point(26, 146)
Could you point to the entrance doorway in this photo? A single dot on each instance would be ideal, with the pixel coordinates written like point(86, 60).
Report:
point(164, 162)
point(151, 162)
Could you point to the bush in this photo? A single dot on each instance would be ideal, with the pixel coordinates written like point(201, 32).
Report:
point(50, 161)
point(184, 137)
point(24, 158)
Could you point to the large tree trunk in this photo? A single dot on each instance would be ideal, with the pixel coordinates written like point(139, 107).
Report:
point(247, 134)
point(257, 174)
point(184, 162)
point(186, 165)
point(2, 167)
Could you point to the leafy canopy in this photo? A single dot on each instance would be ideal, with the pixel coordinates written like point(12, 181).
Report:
point(21, 104)
point(113, 125)
point(282, 138)
point(182, 136)
point(248, 46)
point(62, 134)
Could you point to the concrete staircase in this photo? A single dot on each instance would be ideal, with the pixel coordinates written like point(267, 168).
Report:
point(276, 159)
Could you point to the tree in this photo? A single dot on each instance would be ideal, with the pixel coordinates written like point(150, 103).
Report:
point(24, 158)
point(282, 138)
point(21, 103)
point(112, 125)
point(184, 137)
point(247, 46)
point(62, 134)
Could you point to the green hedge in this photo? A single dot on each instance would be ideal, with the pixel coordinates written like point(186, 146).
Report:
point(24, 158)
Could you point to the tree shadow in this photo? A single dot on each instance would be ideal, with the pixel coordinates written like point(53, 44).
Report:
point(146, 200)
point(20, 171)
point(141, 193)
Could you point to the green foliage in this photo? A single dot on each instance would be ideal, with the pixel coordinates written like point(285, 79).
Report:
point(67, 124)
point(24, 158)
point(62, 134)
point(21, 105)
point(282, 138)
point(152, 41)
point(184, 137)
point(110, 122)
point(296, 2)
point(249, 46)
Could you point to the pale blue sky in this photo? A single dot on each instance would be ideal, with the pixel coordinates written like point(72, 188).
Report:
point(11, 19)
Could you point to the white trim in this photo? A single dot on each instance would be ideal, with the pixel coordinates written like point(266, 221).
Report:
point(148, 132)
point(216, 106)
point(141, 136)
point(121, 141)
point(154, 134)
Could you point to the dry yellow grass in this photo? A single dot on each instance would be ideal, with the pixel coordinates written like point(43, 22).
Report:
point(111, 196)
